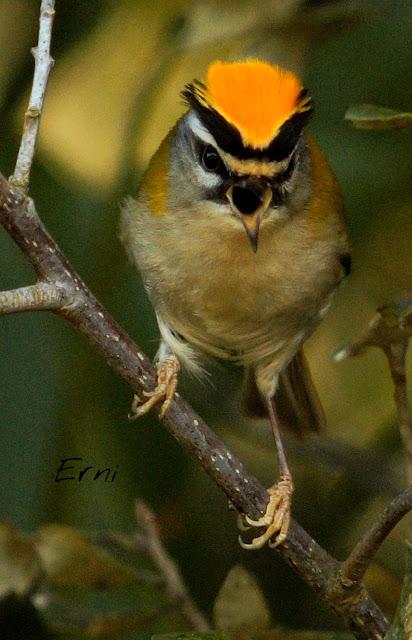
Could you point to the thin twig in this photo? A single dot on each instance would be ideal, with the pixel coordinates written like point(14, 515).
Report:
point(355, 566)
point(396, 356)
point(391, 324)
point(43, 64)
point(175, 587)
point(390, 330)
point(42, 295)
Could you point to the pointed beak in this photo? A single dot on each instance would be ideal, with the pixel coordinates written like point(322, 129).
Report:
point(249, 200)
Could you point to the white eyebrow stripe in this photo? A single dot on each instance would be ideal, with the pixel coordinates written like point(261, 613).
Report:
point(198, 129)
point(205, 178)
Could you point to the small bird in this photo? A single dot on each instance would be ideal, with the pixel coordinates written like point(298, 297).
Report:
point(239, 234)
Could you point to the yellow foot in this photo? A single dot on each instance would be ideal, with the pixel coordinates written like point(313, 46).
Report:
point(167, 371)
point(276, 519)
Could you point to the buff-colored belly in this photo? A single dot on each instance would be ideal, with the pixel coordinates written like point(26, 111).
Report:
point(225, 299)
point(249, 310)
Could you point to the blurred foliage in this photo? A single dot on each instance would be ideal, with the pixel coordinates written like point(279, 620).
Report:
point(214, 635)
point(114, 92)
point(369, 116)
point(273, 634)
point(58, 582)
point(230, 612)
point(69, 585)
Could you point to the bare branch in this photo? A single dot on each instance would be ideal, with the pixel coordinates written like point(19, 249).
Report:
point(354, 568)
point(390, 330)
point(175, 586)
point(43, 63)
point(40, 296)
point(396, 355)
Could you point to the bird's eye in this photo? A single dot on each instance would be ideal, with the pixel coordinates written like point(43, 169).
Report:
point(211, 160)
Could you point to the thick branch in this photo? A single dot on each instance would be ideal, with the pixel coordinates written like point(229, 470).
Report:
point(175, 586)
point(317, 568)
point(43, 64)
point(42, 295)
point(354, 568)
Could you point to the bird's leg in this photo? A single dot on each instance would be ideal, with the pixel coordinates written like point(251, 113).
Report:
point(168, 368)
point(277, 515)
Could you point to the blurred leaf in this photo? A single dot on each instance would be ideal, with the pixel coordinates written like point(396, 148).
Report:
point(214, 635)
point(71, 560)
point(143, 29)
point(230, 612)
point(272, 634)
point(41, 575)
point(217, 20)
point(401, 628)
point(292, 634)
point(369, 116)
point(68, 611)
point(108, 626)
point(19, 562)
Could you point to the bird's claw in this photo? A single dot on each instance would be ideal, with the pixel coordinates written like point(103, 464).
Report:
point(167, 374)
point(276, 519)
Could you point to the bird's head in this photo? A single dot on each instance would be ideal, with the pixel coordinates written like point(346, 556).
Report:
point(240, 143)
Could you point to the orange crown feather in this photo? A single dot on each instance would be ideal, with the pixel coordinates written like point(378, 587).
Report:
point(254, 97)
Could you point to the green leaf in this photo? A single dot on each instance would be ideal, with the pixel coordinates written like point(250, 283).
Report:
point(70, 559)
point(230, 612)
point(369, 116)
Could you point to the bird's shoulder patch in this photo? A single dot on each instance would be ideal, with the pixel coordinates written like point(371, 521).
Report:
point(155, 182)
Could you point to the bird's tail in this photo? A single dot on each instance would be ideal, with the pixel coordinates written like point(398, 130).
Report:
point(297, 402)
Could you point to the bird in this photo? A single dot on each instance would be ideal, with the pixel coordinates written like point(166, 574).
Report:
point(239, 233)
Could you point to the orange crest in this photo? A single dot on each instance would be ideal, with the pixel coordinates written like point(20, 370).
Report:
point(254, 96)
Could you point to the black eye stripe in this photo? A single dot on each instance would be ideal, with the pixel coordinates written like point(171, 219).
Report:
point(218, 192)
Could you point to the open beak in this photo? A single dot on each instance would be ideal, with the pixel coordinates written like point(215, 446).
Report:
point(249, 200)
